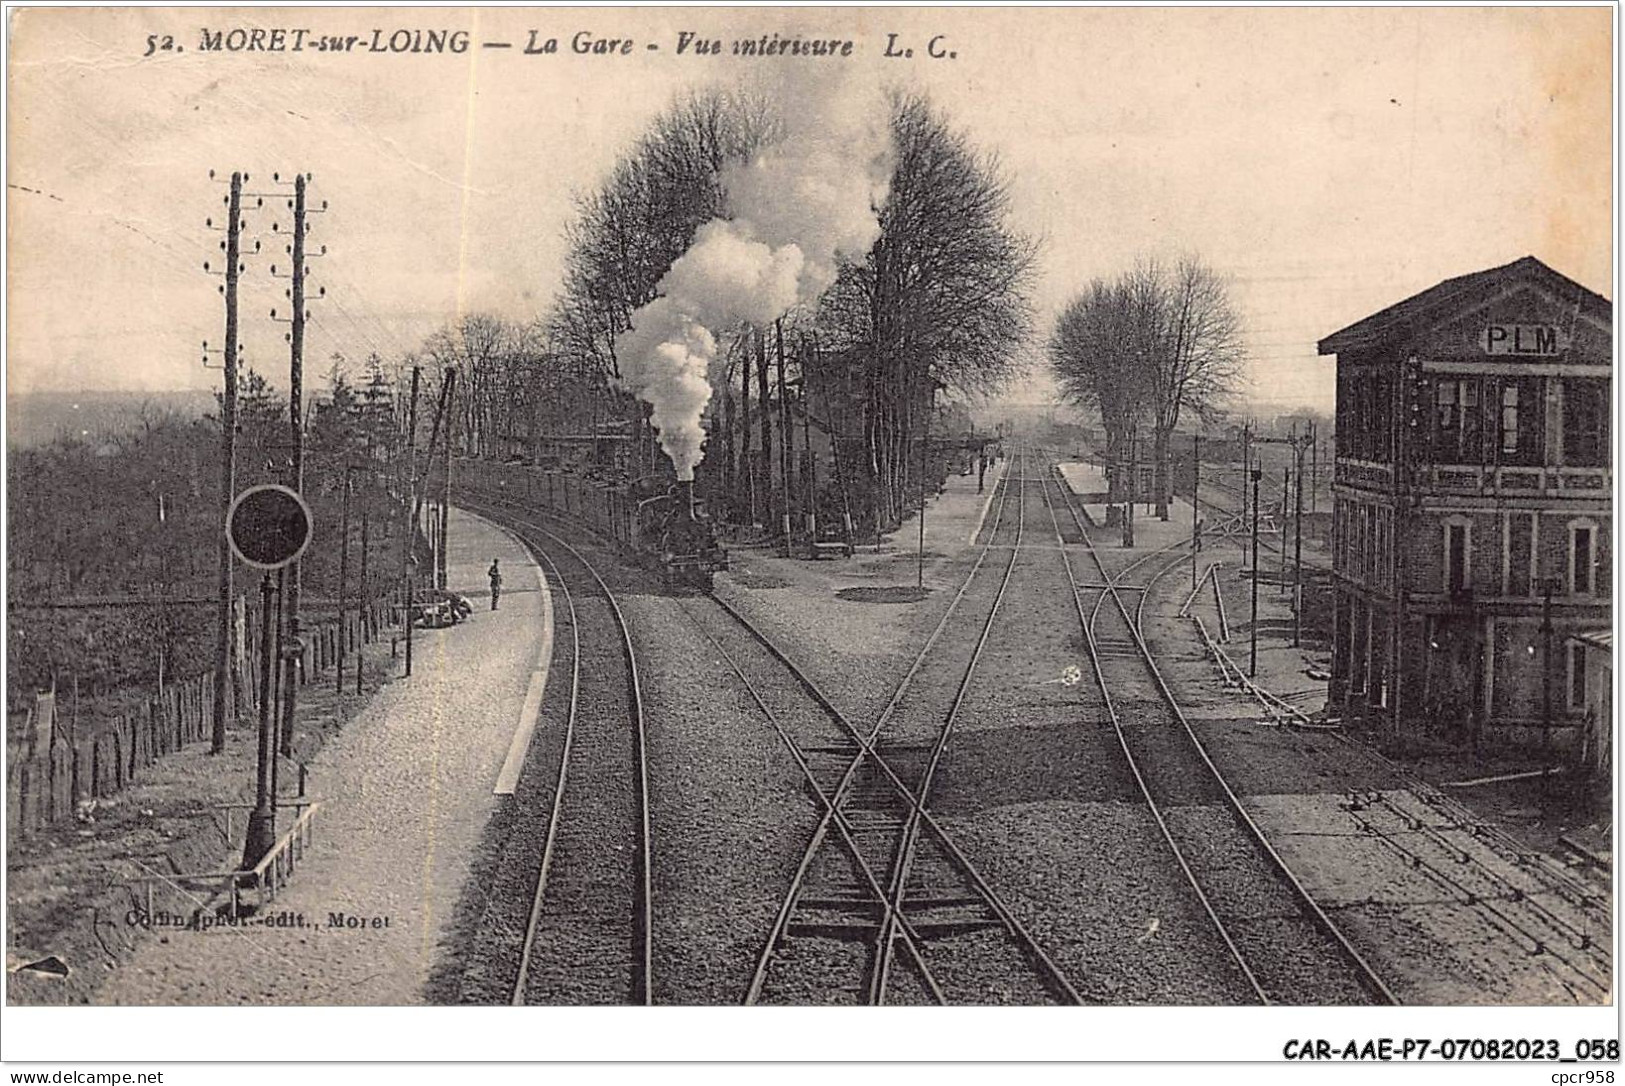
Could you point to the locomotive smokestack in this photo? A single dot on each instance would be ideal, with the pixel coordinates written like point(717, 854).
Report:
point(685, 498)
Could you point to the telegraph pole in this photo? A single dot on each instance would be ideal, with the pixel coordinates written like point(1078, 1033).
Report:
point(1297, 556)
point(1246, 463)
point(1252, 660)
point(1196, 516)
point(445, 511)
point(1314, 464)
point(296, 468)
point(1286, 489)
point(810, 477)
point(786, 437)
point(764, 465)
point(344, 571)
point(366, 523)
point(745, 478)
point(1548, 585)
point(228, 466)
point(408, 514)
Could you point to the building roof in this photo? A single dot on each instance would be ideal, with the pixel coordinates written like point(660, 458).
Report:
point(1420, 311)
point(1602, 638)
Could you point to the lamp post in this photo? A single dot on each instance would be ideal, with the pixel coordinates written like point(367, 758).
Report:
point(262, 819)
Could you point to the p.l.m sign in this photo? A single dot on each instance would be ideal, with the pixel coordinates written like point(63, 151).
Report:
point(1524, 340)
point(268, 526)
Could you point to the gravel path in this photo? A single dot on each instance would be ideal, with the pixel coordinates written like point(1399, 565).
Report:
point(406, 791)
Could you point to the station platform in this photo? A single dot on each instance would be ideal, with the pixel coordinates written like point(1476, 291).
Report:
point(1088, 481)
point(406, 790)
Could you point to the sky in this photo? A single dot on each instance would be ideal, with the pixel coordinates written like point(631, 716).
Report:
point(1327, 161)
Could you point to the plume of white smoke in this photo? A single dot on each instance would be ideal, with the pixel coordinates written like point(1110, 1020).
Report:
point(795, 211)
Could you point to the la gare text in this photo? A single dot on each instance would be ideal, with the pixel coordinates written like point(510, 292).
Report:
point(534, 43)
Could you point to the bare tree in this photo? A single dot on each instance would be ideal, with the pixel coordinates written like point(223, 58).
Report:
point(942, 299)
point(477, 346)
point(1154, 344)
point(1197, 361)
point(1090, 352)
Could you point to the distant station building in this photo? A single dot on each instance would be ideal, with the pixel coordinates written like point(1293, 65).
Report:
point(1471, 534)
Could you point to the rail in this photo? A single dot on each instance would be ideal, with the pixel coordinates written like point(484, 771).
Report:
point(642, 988)
point(1366, 974)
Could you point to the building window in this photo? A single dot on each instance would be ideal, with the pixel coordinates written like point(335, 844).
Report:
point(1458, 422)
point(1456, 556)
point(1582, 579)
point(1445, 420)
point(1472, 419)
point(1520, 429)
point(1509, 420)
point(1585, 423)
point(1577, 676)
point(1520, 545)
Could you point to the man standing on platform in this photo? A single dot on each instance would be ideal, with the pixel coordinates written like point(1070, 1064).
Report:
point(496, 583)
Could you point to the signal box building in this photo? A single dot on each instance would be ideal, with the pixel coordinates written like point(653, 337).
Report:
point(1472, 533)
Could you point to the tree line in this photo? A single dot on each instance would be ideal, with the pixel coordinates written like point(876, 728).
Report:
point(936, 309)
point(113, 534)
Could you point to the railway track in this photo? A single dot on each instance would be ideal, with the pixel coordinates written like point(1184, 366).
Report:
point(1519, 898)
point(1283, 943)
point(883, 906)
point(576, 868)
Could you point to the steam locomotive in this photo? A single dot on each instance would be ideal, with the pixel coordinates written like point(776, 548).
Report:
point(673, 535)
point(661, 522)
